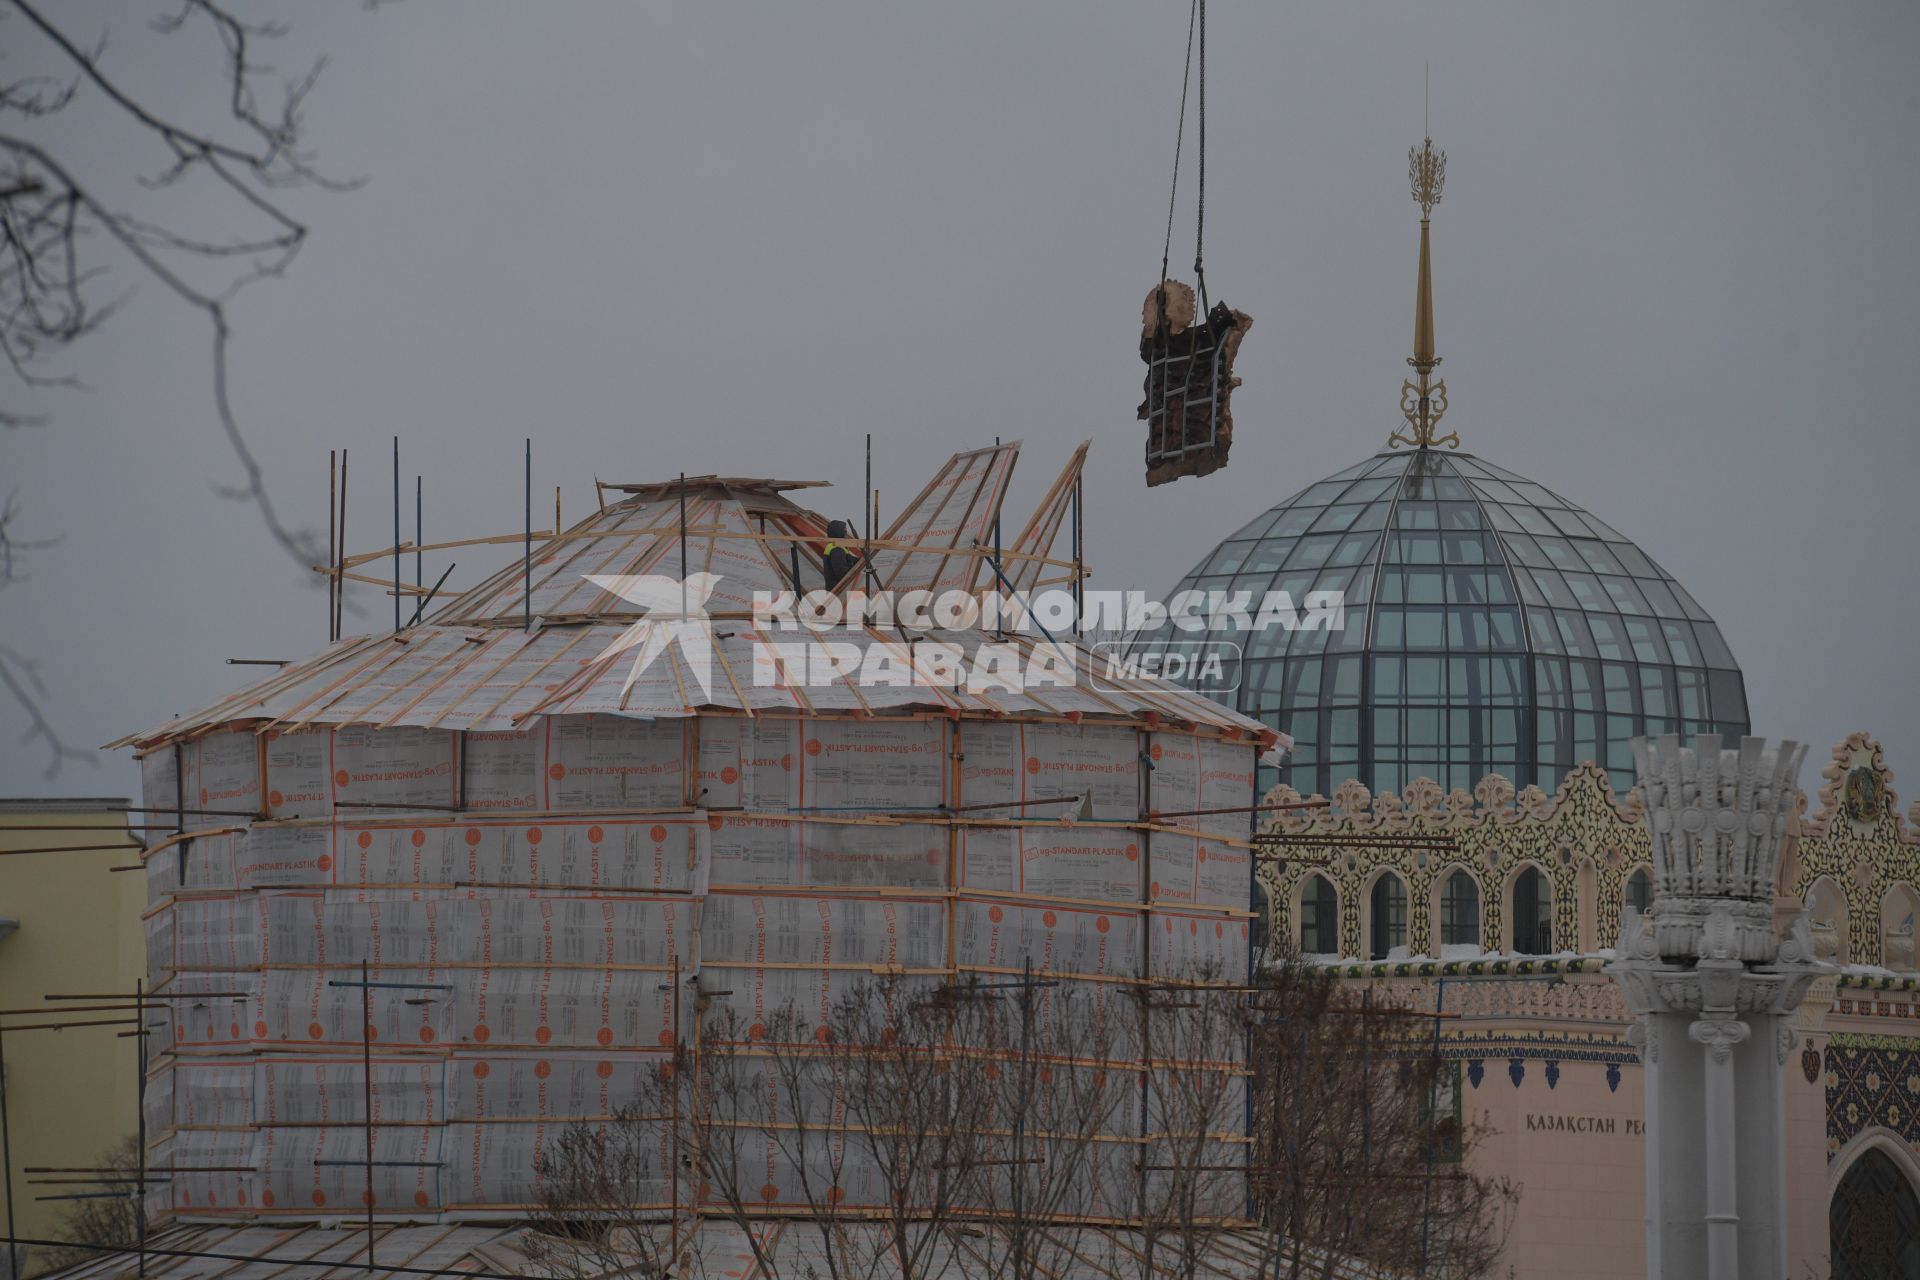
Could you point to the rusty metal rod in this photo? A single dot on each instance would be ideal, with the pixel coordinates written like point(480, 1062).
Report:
point(1240, 808)
point(74, 848)
point(267, 1259)
point(149, 996)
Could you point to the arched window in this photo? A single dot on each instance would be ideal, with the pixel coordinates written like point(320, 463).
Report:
point(1459, 911)
point(1827, 914)
point(1319, 917)
point(1532, 914)
point(1388, 916)
point(1874, 1222)
point(1639, 894)
point(1898, 911)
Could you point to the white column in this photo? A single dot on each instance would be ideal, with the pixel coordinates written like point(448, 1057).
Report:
point(1718, 1034)
point(1644, 1037)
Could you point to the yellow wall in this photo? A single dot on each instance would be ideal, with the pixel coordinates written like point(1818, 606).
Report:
point(71, 1094)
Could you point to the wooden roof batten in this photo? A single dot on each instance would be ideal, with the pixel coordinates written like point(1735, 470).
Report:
point(472, 662)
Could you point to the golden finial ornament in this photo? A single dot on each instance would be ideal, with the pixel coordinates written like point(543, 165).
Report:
point(1427, 171)
point(1424, 402)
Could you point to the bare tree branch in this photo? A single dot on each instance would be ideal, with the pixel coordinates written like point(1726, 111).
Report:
point(18, 673)
point(599, 1188)
point(103, 1221)
point(22, 682)
point(1359, 1148)
point(12, 546)
point(62, 233)
point(48, 212)
point(1025, 1129)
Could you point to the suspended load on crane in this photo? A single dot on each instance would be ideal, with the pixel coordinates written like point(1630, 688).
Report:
point(1189, 349)
point(1190, 380)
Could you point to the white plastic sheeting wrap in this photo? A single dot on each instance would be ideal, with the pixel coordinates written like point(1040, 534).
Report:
point(220, 771)
point(522, 897)
point(957, 509)
point(713, 1248)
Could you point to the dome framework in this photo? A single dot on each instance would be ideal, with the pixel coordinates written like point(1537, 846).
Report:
point(1491, 626)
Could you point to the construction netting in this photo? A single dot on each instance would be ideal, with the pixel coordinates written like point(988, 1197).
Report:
point(708, 1251)
point(549, 917)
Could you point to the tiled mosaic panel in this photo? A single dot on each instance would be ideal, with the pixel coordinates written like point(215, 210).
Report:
point(1872, 1081)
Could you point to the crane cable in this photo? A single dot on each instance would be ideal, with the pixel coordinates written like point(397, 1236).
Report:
point(1196, 24)
point(1200, 214)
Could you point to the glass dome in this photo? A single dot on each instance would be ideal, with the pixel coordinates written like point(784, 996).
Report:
point(1491, 627)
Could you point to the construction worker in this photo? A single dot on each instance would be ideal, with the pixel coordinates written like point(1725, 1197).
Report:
point(839, 560)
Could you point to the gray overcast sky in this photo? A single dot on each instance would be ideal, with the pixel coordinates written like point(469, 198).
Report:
point(1675, 277)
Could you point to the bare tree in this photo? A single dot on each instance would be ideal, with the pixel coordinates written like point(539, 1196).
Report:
point(1193, 1184)
point(915, 1118)
point(814, 1155)
point(601, 1187)
point(914, 1131)
point(69, 226)
point(856, 1129)
point(1025, 1128)
point(1359, 1151)
point(727, 1099)
point(1057, 1065)
point(107, 1218)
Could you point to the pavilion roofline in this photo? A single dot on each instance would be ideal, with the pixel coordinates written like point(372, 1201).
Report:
point(1853, 976)
point(762, 484)
point(1488, 966)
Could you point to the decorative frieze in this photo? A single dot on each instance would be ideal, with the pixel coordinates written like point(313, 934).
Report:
point(1587, 841)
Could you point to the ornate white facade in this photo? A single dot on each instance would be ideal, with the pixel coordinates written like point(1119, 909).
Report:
point(1543, 1039)
point(1715, 987)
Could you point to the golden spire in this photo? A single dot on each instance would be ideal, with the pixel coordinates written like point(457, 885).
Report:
point(1424, 402)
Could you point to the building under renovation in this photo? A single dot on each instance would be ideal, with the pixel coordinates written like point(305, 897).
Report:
point(514, 858)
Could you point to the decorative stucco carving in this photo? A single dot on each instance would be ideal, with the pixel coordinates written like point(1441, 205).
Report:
point(1492, 836)
point(1494, 793)
point(1645, 1036)
point(1717, 817)
point(1861, 848)
point(1718, 1035)
point(1500, 831)
point(1799, 946)
point(1636, 939)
